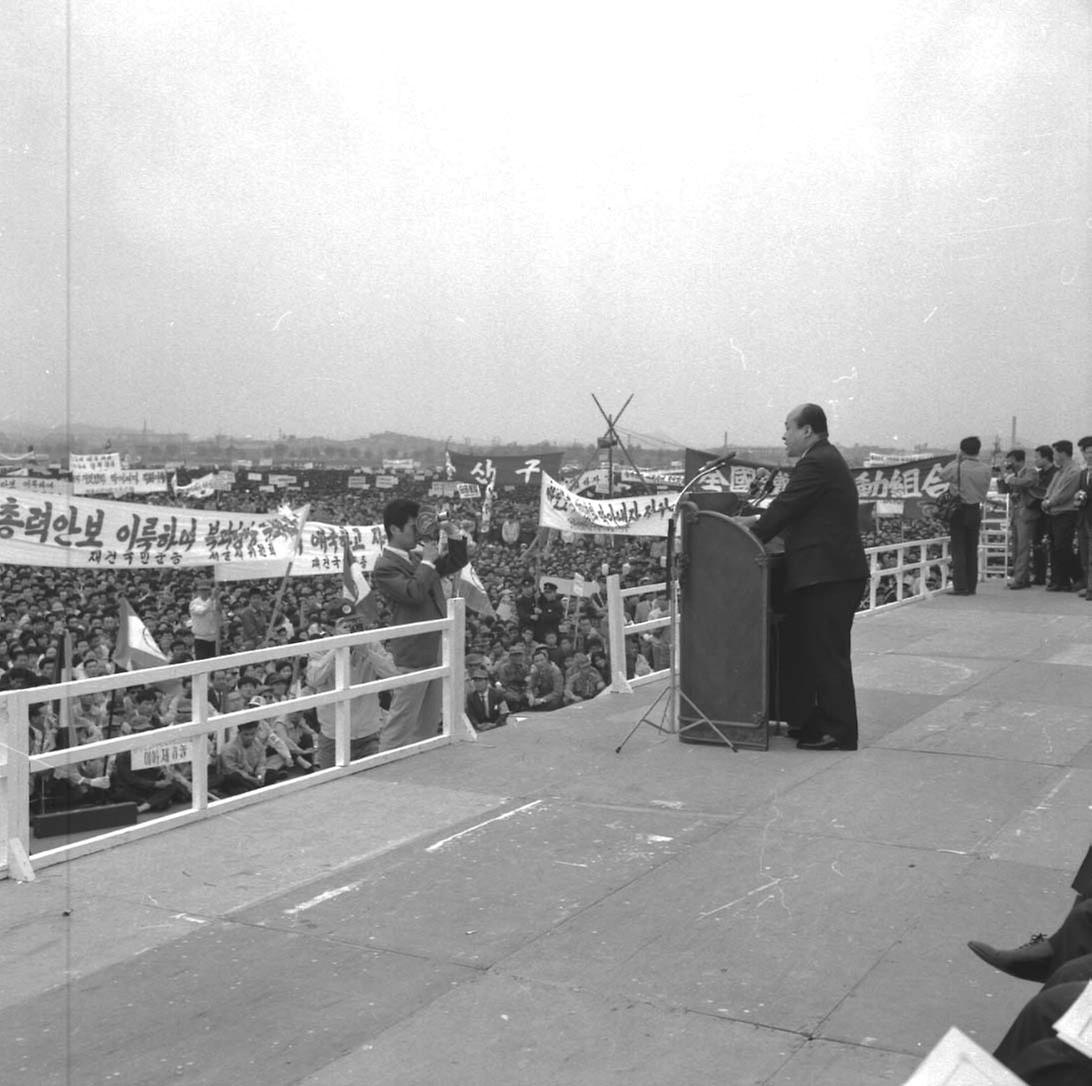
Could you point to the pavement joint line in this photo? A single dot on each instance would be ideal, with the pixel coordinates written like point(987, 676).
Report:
point(688, 812)
point(437, 845)
point(806, 1036)
point(979, 755)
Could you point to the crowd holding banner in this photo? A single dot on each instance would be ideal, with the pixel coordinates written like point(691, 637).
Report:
point(37, 531)
point(647, 515)
point(93, 568)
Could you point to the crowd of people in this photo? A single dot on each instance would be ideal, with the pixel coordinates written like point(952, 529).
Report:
point(535, 650)
point(1050, 516)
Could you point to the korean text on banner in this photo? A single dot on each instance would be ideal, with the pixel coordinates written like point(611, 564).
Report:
point(38, 530)
point(560, 508)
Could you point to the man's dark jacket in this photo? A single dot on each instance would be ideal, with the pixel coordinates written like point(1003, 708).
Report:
point(816, 515)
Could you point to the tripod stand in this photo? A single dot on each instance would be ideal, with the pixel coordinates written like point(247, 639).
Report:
point(668, 723)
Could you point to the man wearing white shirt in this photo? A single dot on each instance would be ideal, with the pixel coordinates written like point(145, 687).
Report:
point(205, 620)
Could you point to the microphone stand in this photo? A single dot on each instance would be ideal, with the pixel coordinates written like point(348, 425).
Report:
point(670, 711)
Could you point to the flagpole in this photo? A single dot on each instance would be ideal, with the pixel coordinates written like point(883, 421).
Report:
point(297, 546)
point(277, 601)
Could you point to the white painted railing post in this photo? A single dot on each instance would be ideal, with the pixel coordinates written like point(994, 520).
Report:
point(199, 750)
point(456, 727)
point(616, 619)
point(16, 791)
point(343, 679)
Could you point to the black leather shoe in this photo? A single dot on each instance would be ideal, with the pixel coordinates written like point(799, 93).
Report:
point(826, 742)
point(1056, 588)
point(957, 592)
point(1032, 961)
point(1015, 586)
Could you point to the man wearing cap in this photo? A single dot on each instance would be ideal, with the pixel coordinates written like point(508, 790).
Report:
point(525, 606)
point(551, 611)
point(408, 573)
point(512, 673)
point(243, 762)
point(583, 681)
point(366, 664)
point(485, 706)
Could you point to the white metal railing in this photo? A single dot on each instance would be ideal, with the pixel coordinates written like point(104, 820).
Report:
point(17, 765)
point(898, 573)
point(618, 631)
point(907, 577)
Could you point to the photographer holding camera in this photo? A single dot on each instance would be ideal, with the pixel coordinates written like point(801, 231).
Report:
point(1021, 482)
point(409, 573)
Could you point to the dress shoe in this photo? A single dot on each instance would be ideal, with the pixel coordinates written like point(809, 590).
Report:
point(1032, 961)
point(1015, 586)
point(826, 742)
point(1056, 588)
point(957, 592)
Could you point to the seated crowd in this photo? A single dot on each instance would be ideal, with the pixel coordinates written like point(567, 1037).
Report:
point(536, 652)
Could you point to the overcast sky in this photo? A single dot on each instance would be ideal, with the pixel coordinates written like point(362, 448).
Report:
point(463, 219)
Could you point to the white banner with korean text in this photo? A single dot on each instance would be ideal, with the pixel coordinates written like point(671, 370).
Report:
point(322, 550)
point(560, 508)
point(137, 481)
point(44, 530)
point(106, 461)
point(35, 484)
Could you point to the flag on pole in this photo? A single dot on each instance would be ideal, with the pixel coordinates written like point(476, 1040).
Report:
point(473, 591)
point(135, 648)
point(354, 585)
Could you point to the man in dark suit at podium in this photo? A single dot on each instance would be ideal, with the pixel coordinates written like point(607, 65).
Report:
point(825, 575)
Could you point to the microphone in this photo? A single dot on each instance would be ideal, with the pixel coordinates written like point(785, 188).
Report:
point(720, 461)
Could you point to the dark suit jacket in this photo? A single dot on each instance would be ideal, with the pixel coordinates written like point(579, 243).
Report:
point(816, 515)
point(486, 708)
point(416, 595)
point(1084, 514)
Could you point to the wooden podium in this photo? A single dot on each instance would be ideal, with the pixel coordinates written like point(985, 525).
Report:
point(729, 608)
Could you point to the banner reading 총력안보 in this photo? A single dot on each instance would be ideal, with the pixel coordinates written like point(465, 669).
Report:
point(43, 530)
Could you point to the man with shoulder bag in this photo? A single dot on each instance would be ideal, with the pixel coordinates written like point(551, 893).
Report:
point(969, 480)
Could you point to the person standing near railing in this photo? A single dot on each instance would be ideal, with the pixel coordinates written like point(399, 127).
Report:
point(1060, 506)
point(408, 573)
point(1083, 500)
point(968, 477)
point(1021, 482)
point(205, 620)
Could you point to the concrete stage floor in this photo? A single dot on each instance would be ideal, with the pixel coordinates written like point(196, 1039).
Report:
point(535, 908)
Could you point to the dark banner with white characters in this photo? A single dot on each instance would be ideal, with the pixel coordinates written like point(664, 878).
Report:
point(915, 483)
point(739, 476)
point(502, 471)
